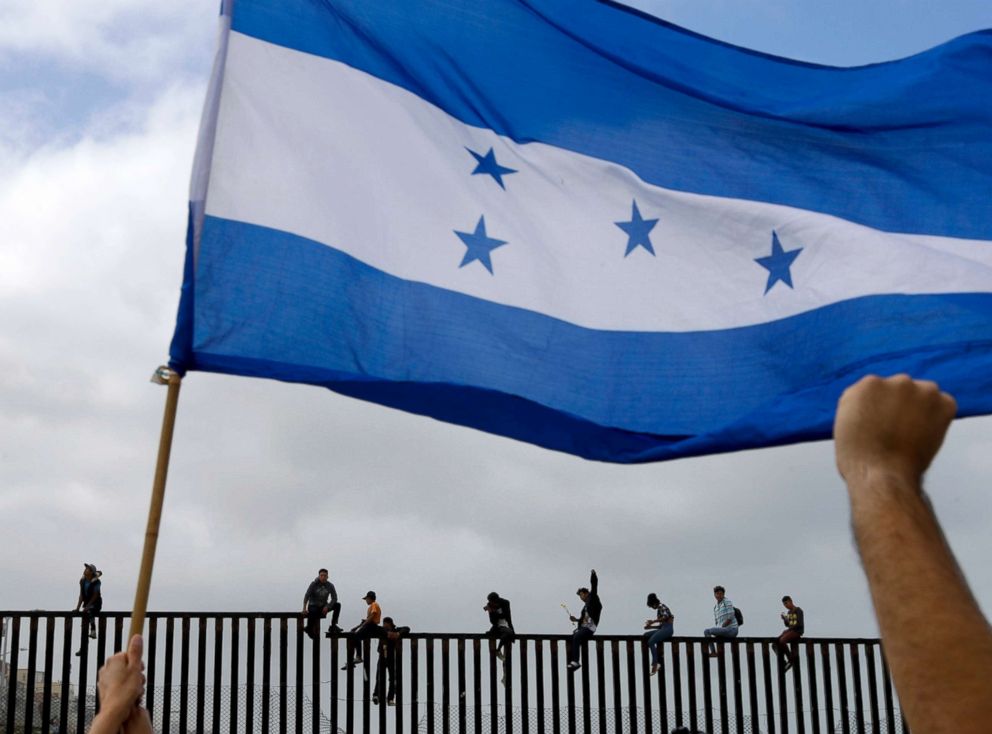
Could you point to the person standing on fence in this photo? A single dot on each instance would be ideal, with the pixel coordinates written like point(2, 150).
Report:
point(389, 644)
point(321, 597)
point(937, 642)
point(367, 629)
point(725, 617)
point(90, 600)
point(659, 629)
point(587, 621)
point(792, 617)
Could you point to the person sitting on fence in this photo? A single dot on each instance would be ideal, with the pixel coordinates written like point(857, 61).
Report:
point(792, 617)
point(367, 629)
point(121, 684)
point(90, 600)
point(886, 433)
point(321, 597)
point(501, 622)
point(389, 643)
point(587, 621)
point(659, 629)
point(725, 617)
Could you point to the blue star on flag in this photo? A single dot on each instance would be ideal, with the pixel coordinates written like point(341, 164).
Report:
point(487, 164)
point(778, 263)
point(479, 245)
point(637, 230)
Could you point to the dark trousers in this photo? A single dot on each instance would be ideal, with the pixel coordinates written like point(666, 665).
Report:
point(316, 613)
point(385, 669)
point(367, 631)
point(784, 645)
point(579, 638)
point(503, 635)
point(90, 615)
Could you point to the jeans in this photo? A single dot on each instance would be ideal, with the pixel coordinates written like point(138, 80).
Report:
point(368, 631)
point(503, 635)
point(656, 636)
point(726, 633)
point(385, 669)
point(579, 638)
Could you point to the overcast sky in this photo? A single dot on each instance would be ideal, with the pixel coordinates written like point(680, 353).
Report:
point(99, 104)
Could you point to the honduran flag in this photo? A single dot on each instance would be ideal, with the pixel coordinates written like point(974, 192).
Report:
point(572, 224)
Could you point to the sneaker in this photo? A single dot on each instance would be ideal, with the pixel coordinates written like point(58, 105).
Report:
point(500, 654)
point(503, 680)
point(391, 702)
point(375, 700)
point(654, 669)
point(572, 667)
point(79, 653)
point(92, 633)
point(787, 667)
point(330, 632)
point(333, 630)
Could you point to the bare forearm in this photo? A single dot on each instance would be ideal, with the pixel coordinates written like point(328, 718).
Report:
point(941, 671)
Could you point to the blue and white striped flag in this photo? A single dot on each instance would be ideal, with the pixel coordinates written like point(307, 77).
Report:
point(574, 225)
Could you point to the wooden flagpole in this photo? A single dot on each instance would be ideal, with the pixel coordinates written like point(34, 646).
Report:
point(162, 376)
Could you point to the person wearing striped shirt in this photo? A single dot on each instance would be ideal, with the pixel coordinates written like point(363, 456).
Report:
point(725, 618)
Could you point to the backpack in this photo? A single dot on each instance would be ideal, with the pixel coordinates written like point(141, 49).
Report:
point(739, 616)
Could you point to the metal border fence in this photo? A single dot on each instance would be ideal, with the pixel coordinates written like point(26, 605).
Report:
point(258, 672)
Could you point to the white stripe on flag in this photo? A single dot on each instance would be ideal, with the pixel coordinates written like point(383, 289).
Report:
point(385, 177)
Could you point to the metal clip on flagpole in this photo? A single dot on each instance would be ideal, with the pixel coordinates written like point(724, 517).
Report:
point(162, 376)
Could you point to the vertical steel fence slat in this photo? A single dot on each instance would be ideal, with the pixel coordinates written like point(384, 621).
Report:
point(662, 689)
point(250, 624)
point(735, 659)
point(119, 634)
point(814, 703)
point(828, 686)
point(752, 686)
point(381, 676)
point(333, 703)
point(170, 638)
point(283, 674)
point(314, 685)
point(201, 674)
point(690, 676)
point(586, 704)
point(218, 672)
point(493, 698)
point(631, 687)
point(539, 682)
point(400, 696)
point(235, 678)
point(84, 651)
point(151, 645)
point(298, 671)
point(859, 704)
point(677, 682)
point(524, 688)
point(797, 689)
point(414, 687)
point(508, 689)
point(14, 633)
point(721, 682)
point(600, 687)
point(767, 678)
point(555, 694)
point(29, 684)
point(704, 659)
point(462, 706)
point(446, 686)
point(845, 714)
point(872, 688)
point(184, 677)
point(349, 684)
point(570, 698)
point(783, 702)
point(366, 688)
point(101, 651)
point(266, 666)
point(430, 685)
point(646, 687)
point(615, 670)
point(66, 685)
point(477, 685)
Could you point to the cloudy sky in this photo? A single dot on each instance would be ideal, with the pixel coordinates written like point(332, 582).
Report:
point(269, 481)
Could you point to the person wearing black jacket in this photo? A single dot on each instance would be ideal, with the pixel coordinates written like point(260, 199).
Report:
point(389, 642)
point(501, 621)
point(321, 598)
point(587, 621)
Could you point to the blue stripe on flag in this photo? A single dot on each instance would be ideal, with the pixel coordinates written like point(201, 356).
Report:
point(902, 146)
point(272, 304)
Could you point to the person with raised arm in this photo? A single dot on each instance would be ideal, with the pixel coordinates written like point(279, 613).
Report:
point(587, 621)
point(886, 433)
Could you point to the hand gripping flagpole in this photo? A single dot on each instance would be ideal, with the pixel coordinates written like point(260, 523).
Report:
point(162, 376)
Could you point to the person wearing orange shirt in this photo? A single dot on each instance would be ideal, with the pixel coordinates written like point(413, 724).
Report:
point(367, 629)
